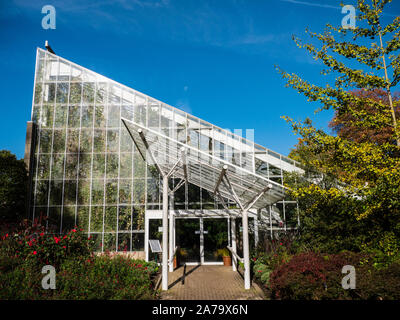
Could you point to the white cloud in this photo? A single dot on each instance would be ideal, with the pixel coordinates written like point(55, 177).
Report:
point(255, 39)
point(328, 6)
point(312, 4)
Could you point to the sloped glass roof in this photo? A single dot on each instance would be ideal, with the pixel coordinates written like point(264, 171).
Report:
point(159, 117)
point(203, 169)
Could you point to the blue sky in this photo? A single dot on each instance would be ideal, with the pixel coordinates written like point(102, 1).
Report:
point(214, 59)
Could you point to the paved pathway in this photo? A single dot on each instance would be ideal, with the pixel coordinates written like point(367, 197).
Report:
point(209, 283)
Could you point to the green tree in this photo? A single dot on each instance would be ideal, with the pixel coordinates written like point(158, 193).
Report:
point(358, 178)
point(13, 187)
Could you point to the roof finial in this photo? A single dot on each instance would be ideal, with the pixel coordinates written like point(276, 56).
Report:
point(46, 44)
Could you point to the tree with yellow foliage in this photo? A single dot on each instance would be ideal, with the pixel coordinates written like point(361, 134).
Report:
point(358, 196)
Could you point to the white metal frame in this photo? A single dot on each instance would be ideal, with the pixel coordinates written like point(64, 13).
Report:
point(252, 187)
point(191, 214)
point(166, 191)
point(269, 157)
point(245, 207)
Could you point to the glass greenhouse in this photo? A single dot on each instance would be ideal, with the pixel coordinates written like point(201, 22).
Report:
point(88, 168)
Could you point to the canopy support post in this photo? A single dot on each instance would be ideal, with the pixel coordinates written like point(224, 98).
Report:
point(233, 237)
point(165, 235)
point(165, 217)
point(171, 231)
point(270, 221)
point(246, 251)
point(244, 208)
point(256, 238)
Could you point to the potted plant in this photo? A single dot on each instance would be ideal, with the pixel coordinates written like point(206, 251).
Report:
point(182, 255)
point(177, 259)
point(226, 256)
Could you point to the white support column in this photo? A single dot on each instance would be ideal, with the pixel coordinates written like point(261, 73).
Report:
point(173, 235)
point(165, 176)
point(171, 232)
point(256, 231)
point(146, 236)
point(171, 239)
point(233, 237)
point(201, 240)
point(270, 220)
point(246, 253)
point(165, 235)
point(229, 231)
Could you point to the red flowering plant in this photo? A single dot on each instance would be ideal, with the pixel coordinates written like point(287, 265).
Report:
point(80, 274)
point(31, 242)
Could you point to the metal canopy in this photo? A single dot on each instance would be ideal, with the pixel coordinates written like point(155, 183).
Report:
point(201, 168)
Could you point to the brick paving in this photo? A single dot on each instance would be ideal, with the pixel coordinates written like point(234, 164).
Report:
point(209, 283)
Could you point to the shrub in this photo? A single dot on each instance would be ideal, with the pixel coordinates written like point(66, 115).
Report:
point(105, 277)
point(100, 277)
point(382, 283)
point(13, 187)
point(38, 247)
point(152, 267)
point(317, 276)
point(265, 276)
point(314, 276)
point(259, 269)
point(384, 251)
point(277, 251)
point(79, 273)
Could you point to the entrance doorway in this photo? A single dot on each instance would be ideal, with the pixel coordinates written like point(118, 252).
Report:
point(187, 239)
point(215, 238)
point(200, 239)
